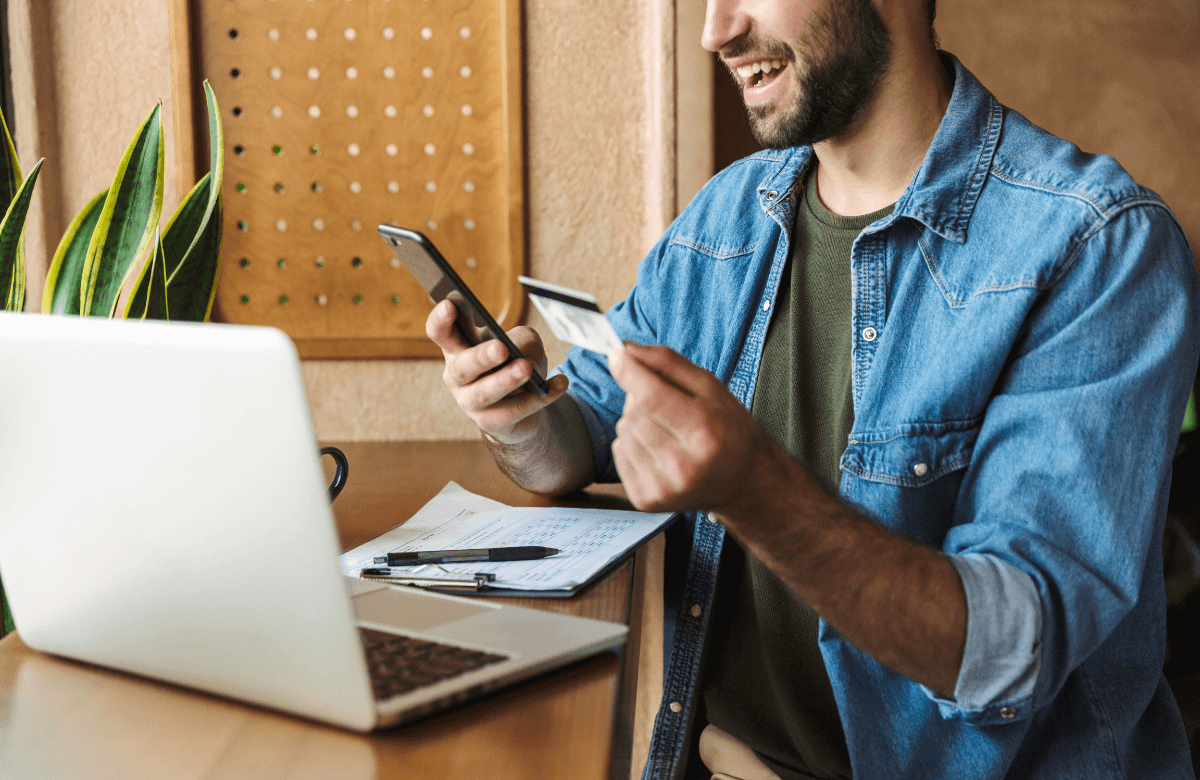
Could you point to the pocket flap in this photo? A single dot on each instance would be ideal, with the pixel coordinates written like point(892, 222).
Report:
point(911, 455)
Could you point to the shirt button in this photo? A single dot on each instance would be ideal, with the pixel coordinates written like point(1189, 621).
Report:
point(696, 610)
point(676, 707)
point(869, 334)
point(1008, 713)
point(919, 469)
point(766, 305)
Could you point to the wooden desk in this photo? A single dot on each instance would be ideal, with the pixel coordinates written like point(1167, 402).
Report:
point(60, 719)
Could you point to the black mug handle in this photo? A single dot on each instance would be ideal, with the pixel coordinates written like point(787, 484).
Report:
point(342, 472)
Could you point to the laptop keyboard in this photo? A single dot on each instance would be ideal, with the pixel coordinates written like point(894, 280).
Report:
point(398, 664)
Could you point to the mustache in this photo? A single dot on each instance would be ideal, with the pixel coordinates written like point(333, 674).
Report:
point(752, 43)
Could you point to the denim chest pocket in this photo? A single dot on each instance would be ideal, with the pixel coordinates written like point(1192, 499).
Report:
point(911, 455)
point(717, 250)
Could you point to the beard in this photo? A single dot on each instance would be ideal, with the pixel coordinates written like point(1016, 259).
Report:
point(845, 53)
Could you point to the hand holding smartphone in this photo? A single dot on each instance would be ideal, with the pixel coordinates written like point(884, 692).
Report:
point(433, 273)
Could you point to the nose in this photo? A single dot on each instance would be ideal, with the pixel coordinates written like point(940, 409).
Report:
point(723, 21)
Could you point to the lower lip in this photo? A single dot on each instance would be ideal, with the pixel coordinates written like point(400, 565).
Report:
point(764, 94)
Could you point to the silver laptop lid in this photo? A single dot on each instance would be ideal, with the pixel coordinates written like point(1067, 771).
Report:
point(164, 511)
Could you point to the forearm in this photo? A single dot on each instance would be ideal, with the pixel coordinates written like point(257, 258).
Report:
point(556, 458)
point(898, 601)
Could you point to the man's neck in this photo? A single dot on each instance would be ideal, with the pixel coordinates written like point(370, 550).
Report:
point(868, 167)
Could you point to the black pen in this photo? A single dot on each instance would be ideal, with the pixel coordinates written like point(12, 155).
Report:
point(466, 556)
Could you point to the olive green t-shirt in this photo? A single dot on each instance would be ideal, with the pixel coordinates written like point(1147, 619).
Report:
point(766, 682)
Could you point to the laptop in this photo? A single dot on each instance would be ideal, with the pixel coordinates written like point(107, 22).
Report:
point(165, 514)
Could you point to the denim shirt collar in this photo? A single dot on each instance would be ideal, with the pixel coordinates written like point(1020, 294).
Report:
point(943, 193)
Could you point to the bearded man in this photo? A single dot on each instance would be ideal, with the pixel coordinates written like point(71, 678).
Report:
point(915, 374)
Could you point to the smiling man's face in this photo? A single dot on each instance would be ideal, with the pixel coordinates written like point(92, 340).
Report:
point(807, 68)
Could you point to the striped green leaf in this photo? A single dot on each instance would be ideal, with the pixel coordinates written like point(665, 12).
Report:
point(128, 221)
point(149, 299)
point(10, 168)
point(65, 277)
point(12, 265)
point(193, 238)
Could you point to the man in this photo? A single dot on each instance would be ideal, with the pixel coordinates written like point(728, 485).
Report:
point(918, 370)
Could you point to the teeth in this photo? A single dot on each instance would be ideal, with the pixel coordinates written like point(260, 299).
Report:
point(762, 66)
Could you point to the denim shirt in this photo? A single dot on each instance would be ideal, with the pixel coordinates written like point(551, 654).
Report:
point(1024, 335)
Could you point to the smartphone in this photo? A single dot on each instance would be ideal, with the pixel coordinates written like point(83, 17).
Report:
point(426, 263)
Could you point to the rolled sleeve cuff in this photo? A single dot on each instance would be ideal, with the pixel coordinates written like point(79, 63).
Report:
point(1004, 640)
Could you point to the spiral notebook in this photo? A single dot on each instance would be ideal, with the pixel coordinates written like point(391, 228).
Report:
point(592, 542)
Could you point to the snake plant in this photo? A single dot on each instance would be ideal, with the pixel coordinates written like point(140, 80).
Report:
point(115, 260)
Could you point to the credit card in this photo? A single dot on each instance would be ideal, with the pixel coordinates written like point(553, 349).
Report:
point(573, 316)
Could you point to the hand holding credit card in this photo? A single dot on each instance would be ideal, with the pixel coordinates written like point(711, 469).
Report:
point(573, 316)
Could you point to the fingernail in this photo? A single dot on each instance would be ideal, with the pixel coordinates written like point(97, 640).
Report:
point(495, 352)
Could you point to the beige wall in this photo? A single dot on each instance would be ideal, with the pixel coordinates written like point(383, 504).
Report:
point(600, 152)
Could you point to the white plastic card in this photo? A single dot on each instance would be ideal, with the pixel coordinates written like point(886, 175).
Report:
point(573, 316)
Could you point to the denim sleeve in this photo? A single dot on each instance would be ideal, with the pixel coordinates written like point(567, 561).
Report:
point(599, 398)
point(1062, 505)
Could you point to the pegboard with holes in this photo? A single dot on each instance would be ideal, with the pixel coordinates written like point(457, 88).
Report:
point(343, 114)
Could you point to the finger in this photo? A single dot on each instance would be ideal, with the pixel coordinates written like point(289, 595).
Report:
point(648, 392)
point(529, 342)
point(439, 326)
point(637, 467)
point(470, 364)
point(519, 405)
point(488, 390)
point(672, 367)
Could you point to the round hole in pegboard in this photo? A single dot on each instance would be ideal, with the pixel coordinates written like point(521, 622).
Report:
point(313, 73)
point(389, 111)
point(239, 150)
point(351, 72)
point(245, 261)
point(355, 187)
point(314, 150)
point(388, 33)
point(471, 262)
point(392, 150)
point(275, 73)
point(469, 186)
point(281, 262)
point(431, 224)
point(283, 299)
point(319, 261)
point(314, 111)
point(430, 149)
point(356, 262)
point(240, 186)
point(235, 73)
point(276, 149)
point(358, 300)
point(465, 71)
point(466, 109)
point(427, 110)
point(464, 32)
point(355, 224)
point(396, 299)
point(279, 187)
point(317, 188)
point(468, 148)
point(427, 72)
point(322, 300)
point(234, 34)
point(350, 33)
point(395, 262)
point(273, 34)
point(243, 225)
point(311, 33)
point(353, 150)
point(426, 33)
point(281, 225)
point(431, 186)
point(393, 187)
point(469, 223)
point(318, 224)
point(237, 110)
point(245, 299)
point(390, 73)
point(277, 112)
point(352, 111)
